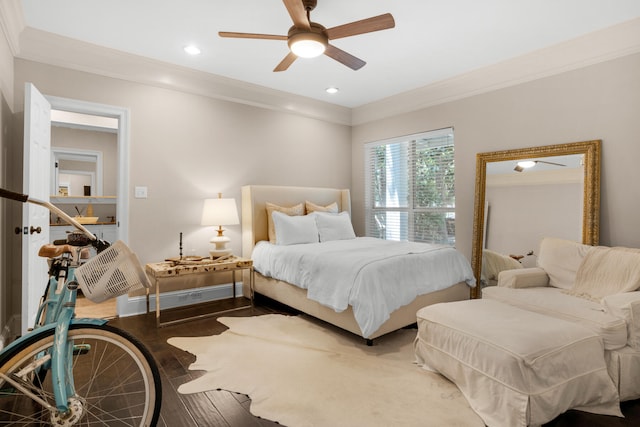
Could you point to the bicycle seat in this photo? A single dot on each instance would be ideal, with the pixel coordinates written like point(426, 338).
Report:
point(53, 251)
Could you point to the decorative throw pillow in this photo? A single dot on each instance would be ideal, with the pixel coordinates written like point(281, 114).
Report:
point(312, 207)
point(334, 226)
point(292, 210)
point(293, 230)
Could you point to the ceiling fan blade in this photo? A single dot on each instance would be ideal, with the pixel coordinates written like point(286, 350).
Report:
point(298, 13)
point(286, 62)
point(344, 58)
point(251, 36)
point(369, 25)
point(549, 163)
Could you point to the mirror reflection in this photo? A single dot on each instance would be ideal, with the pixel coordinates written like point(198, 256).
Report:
point(516, 197)
point(77, 173)
point(83, 161)
point(525, 195)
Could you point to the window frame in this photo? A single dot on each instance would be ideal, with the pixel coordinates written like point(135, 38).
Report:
point(411, 210)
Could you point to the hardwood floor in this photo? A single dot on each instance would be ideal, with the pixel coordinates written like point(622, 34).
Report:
point(210, 409)
point(223, 408)
point(88, 309)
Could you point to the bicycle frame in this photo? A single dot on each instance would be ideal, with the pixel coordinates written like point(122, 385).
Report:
point(63, 296)
point(59, 301)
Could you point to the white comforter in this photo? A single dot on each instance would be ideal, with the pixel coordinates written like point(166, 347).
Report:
point(374, 276)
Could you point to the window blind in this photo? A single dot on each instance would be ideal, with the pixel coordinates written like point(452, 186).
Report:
point(409, 188)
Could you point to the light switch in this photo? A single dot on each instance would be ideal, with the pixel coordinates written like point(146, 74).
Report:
point(140, 193)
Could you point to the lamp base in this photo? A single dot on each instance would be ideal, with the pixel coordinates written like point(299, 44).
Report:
point(215, 254)
point(220, 249)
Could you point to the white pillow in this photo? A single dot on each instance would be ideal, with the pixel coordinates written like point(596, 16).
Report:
point(561, 259)
point(291, 210)
point(334, 226)
point(293, 230)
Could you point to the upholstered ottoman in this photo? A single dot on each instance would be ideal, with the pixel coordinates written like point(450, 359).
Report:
point(515, 367)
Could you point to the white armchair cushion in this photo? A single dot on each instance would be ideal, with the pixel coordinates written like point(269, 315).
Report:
point(561, 259)
point(607, 271)
point(523, 278)
point(554, 303)
point(626, 306)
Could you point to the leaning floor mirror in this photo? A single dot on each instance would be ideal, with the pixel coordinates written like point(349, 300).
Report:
point(526, 194)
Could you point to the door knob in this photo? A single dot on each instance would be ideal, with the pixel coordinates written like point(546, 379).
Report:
point(35, 230)
point(18, 230)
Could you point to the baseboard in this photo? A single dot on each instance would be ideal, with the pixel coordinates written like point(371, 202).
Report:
point(138, 305)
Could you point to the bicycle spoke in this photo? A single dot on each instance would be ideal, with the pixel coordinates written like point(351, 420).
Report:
point(115, 382)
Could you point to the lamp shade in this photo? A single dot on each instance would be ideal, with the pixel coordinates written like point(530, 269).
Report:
point(219, 212)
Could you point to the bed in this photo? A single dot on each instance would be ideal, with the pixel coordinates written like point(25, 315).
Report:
point(255, 231)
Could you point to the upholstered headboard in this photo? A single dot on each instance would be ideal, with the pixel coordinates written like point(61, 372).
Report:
point(254, 211)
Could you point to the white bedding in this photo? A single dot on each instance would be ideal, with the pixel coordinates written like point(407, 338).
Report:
point(374, 276)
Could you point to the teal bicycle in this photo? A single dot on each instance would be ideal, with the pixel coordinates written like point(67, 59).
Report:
point(70, 371)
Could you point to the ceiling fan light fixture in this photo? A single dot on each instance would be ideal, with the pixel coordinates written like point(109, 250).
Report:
point(527, 164)
point(307, 45)
point(192, 49)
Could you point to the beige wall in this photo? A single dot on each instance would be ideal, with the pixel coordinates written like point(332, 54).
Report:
point(185, 148)
point(597, 102)
point(253, 145)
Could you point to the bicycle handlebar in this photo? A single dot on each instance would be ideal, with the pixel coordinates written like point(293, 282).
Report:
point(14, 196)
point(25, 198)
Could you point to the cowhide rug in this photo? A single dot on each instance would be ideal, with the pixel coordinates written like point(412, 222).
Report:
point(300, 372)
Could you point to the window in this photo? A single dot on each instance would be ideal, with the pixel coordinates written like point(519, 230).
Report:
point(409, 188)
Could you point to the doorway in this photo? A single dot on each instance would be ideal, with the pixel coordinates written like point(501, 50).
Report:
point(90, 116)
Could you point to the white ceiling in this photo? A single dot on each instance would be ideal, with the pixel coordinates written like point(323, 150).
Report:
point(432, 40)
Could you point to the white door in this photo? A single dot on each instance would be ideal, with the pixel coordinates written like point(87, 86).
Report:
point(36, 183)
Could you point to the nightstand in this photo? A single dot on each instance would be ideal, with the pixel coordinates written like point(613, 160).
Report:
point(161, 271)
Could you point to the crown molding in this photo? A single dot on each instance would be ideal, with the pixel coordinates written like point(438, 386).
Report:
point(599, 46)
point(53, 49)
point(12, 23)
point(35, 45)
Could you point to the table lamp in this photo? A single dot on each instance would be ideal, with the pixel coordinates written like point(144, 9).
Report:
point(220, 212)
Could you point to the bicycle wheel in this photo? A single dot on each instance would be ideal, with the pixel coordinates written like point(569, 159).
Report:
point(116, 380)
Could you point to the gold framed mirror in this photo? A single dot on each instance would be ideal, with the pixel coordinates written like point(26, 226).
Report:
point(516, 204)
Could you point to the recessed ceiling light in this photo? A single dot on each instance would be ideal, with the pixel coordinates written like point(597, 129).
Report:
point(332, 90)
point(192, 50)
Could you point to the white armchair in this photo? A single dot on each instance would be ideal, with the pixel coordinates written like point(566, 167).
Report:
point(594, 286)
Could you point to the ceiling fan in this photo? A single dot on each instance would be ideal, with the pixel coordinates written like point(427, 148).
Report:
point(308, 39)
point(520, 166)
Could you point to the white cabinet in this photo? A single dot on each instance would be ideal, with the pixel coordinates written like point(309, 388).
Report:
point(109, 233)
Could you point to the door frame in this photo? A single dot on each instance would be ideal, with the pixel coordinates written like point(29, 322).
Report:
point(123, 141)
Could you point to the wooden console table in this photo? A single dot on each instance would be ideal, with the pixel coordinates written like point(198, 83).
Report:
point(160, 271)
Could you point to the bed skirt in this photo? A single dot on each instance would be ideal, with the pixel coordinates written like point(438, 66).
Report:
point(296, 298)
